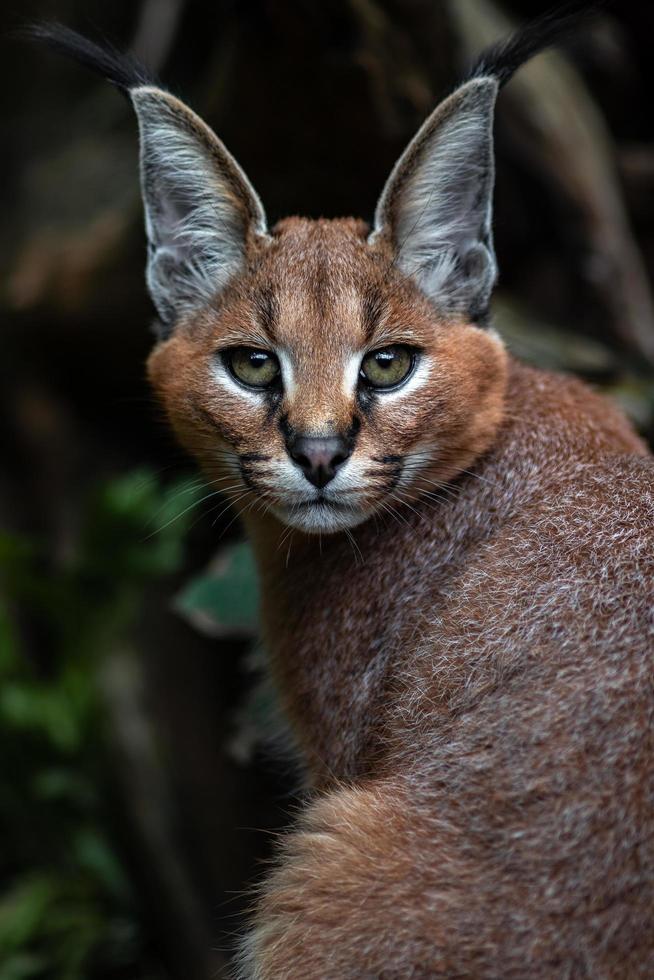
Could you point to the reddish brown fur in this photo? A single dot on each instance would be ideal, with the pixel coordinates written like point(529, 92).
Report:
point(470, 687)
point(318, 276)
point(498, 746)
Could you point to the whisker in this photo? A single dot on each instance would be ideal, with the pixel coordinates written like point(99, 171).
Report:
point(231, 503)
point(196, 503)
point(239, 513)
point(355, 547)
point(398, 518)
point(288, 553)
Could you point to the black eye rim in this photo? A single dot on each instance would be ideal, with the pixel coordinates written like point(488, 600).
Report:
point(414, 354)
point(227, 354)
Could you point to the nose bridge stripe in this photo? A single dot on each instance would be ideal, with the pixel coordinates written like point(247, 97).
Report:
point(322, 417)
point(318, 404)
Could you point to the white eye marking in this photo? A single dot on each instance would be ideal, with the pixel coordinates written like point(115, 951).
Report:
point(288, 376)
point(351, 373)
point(223, 377)
point(416, 380)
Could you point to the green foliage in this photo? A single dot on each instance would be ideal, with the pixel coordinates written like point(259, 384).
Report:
point(67, 909)
point(224, 600)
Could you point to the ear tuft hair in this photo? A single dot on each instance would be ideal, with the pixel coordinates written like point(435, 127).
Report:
point(436, 207)
point(122, 70)
point(502, 60)
point(201, 211)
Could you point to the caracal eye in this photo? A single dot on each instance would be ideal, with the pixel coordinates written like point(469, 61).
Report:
point(388, 366)
point(252, 367)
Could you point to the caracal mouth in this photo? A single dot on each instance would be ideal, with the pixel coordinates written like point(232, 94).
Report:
point(320, 514)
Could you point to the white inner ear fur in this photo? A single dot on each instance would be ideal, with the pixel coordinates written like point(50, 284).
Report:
point(199, 205)
point(436, 207)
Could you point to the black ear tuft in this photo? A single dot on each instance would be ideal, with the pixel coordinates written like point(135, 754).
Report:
point(503, 59)
point(121, 70)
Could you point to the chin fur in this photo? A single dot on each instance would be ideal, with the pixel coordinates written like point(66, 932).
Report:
point(320, 518)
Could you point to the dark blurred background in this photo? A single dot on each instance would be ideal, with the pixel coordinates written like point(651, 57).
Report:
point(136, 801)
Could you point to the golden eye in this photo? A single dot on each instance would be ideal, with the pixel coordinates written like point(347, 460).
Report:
point(388, 366)
point(252, 367)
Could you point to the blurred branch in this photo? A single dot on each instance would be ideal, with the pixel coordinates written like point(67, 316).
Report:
point(383, 44)
point(60, 265)
point(155, 32)
point(147, 804)
point(636, 163)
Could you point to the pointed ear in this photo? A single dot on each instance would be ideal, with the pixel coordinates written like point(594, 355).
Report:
point(200, 208)
point(436, 207)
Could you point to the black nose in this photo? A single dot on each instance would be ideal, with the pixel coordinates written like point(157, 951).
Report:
point(319, 458)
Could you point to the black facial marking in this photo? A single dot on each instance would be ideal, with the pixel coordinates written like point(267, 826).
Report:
point(355, 428)
point(365, 400)
point(395, 479)
point(273, 401)
point(246, 462)
point(352, 433)
point(285, 427)
point(253, 458)
point(389, 471)
point(224, 431)
point(247, 478)
point(387, 459)
point(372, 309)
point(267, 309)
